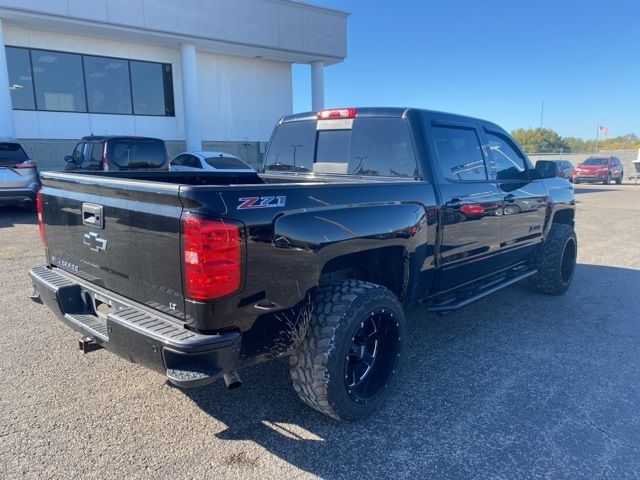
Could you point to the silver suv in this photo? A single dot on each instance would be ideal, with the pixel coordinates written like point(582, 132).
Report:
point(19, 181)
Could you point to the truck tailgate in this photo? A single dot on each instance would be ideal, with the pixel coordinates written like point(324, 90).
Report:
point(122, 235)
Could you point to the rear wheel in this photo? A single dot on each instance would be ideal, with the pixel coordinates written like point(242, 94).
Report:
point(348, 361)
point(620, 177)
point(555, 261)
point(607, 180)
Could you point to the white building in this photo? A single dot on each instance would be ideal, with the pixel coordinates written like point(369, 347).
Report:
point(190, 72)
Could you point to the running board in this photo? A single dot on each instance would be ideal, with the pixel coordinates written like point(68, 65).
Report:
point(482, 292)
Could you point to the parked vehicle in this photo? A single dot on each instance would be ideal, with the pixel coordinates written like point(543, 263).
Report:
point(19, 181)
point(113, 153)
point(599, 169)
point(355, 217)
point(206, 161)
point(565, 169)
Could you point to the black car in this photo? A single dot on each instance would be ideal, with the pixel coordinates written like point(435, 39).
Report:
point(356, 216)
point(565, 169)
point(113, 153)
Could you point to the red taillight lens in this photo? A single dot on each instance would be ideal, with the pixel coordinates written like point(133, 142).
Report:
point(210, 257)
point(43, 238)
point(26, 164)
point(348, 112)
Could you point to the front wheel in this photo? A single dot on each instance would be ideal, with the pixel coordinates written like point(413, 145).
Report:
point(555, 261)
point(349, 359)
point(607, 180)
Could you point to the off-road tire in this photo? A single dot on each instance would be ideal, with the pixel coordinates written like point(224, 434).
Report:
point(555, 261)
point(318, 368)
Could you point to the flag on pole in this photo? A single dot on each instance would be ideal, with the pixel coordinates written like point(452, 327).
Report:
point(604, 130)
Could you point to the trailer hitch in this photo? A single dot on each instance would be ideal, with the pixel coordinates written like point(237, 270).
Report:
point(88, 344)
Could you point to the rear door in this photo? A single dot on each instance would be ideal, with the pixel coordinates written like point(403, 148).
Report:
point(471, 212)
point(123, 235)
point(525, 200)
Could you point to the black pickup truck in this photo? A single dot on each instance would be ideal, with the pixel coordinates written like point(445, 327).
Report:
point(355, 217)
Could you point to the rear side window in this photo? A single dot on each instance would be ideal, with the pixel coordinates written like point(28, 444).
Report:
point(364, 146)
point(507, 163)
point(460, 153)
point(136, 153)
point(12, 153)
point(226, 163)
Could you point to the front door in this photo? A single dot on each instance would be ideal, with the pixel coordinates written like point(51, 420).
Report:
point(525, 200)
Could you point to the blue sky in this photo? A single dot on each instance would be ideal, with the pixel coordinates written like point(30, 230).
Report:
point(494, 59)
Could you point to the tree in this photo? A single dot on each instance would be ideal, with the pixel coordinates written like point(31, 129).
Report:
point(539, 140)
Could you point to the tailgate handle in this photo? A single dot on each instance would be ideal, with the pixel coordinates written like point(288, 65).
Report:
point(92, 215)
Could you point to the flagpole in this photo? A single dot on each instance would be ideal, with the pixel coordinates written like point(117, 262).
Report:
point(597, 135)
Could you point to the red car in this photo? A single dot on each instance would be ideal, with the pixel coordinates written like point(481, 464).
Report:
point(599, 169)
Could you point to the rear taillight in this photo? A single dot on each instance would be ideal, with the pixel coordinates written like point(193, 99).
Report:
point(26, 164)
point(348, 112)
point(43, 238)
point(210, 257)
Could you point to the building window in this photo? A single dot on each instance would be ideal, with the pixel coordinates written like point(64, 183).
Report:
point(149, 86)
point(20, 79)
point(58, 81)
point(69, 82)
point(108, 89)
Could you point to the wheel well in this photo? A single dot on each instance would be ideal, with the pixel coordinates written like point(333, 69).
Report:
point(565, 216)
point(385, 266)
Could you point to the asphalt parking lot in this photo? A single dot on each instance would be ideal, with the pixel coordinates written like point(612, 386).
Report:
point(516, 386)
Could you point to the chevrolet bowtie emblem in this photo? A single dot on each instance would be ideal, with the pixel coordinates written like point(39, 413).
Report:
point(94, 242)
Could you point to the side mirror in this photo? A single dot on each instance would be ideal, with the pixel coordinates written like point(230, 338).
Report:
point(547, 169)
point(68, 159)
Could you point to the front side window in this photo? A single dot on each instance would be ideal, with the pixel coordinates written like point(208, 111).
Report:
point(460, 153)
point(20, 78)
point(506, 162)
point(58, 81)
point(108, 89)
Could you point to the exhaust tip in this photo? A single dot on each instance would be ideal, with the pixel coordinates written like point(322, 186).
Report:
point(232, 380)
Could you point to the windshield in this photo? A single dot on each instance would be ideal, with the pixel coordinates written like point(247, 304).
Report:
point(137, 153)
point(362, 146)
point(11, 153)
point(596, 161)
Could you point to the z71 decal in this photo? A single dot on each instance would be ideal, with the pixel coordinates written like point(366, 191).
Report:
point(261, 202)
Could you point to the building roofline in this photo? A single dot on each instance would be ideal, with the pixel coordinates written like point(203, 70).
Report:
point(314, 6)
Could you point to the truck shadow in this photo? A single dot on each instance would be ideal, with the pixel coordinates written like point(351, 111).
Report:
point(515, 383)
point(10, 216)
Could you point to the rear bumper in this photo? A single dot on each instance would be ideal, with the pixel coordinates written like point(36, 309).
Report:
point(134, 332)
point(17, 196)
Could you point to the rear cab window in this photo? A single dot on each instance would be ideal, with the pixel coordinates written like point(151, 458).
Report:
point(367, 146)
